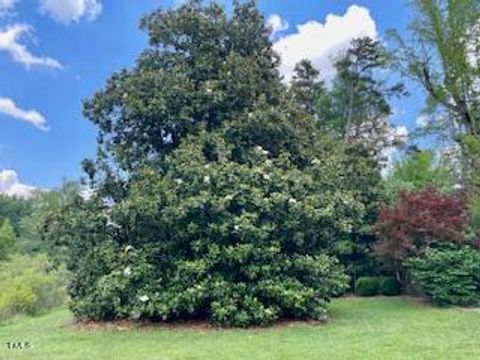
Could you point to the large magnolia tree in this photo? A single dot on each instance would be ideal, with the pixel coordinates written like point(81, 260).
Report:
point(216, 196)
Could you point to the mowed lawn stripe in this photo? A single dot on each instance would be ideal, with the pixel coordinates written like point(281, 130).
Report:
point(359, 328)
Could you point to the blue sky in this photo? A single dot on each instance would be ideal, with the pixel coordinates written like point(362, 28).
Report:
point(64, 50)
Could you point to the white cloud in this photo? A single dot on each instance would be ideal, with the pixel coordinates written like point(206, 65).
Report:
point(401, 132)
point(87, 193)
point(422, 121)
point(8, 107)
point(319, 42)
point(10, 42)
point(68, 11)
point(10, 185)
point(6, 5)
point(277, 24)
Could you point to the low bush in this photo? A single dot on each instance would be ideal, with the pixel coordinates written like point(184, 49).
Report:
point(29, 286)
point(389, 286)
point(449, 276)
point(367, 286)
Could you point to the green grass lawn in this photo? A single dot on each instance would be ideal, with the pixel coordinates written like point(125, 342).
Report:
point(375, 328)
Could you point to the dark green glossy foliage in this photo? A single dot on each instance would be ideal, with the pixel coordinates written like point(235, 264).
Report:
point(389, 286)
point(367, 286)
point(217, 196)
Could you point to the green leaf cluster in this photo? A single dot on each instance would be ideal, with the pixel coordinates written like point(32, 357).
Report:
point(450, 276)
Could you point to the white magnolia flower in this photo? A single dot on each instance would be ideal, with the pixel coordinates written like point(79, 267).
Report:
point(128, 248)
point(206, 179)
point(179, 181)
point(144, 298)
point(261, 150)
point(236, 227)
point(127, 271)
point(108, 202)
point(113, 224)
point(292, 201)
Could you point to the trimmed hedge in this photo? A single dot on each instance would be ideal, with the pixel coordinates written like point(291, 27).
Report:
point(367, 286)
point(389, 286)
point(377, 285)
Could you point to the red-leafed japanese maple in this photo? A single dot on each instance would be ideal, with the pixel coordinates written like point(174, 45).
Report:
point(418, 219)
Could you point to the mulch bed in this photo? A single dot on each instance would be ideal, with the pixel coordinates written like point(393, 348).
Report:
point(197, 325)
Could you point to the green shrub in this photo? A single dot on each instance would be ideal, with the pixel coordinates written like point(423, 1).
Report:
point(389, 286)
point(449, 276)
point(367, 286)
point(29, 286)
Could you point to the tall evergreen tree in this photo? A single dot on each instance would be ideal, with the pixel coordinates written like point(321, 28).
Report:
point(306, 85)
point(357, 107)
